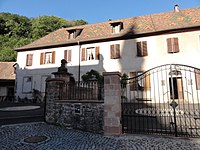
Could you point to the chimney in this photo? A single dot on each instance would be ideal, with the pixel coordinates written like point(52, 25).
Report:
point(176, 8)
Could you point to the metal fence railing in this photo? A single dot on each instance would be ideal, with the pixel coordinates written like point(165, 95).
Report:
point(91, 90)
point(7, 98)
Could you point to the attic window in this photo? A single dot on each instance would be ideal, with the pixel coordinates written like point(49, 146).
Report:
point(74, 33)
point(116, 27)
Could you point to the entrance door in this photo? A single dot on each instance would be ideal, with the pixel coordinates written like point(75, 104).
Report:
point(176, 88)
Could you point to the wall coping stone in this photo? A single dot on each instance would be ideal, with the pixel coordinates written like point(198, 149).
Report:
point(111, 73)
point(79, 101)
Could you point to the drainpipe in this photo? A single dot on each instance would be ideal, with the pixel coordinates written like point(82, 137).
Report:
point(79, 67)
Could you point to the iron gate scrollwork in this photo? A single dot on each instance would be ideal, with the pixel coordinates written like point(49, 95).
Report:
point(163, 100)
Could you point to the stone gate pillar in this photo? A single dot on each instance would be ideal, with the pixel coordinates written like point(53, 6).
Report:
point(112, 103)
point(52, 95)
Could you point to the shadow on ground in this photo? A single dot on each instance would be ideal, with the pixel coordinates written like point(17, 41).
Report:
point(8, 116)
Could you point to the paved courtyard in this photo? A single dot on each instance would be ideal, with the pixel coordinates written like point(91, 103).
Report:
point(30, 136)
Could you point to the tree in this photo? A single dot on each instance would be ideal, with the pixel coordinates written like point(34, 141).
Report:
point(17, 31)
point(92, 75)
point(44, 25)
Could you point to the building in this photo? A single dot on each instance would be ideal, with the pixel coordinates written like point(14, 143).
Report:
point(131, 46)
point(7, 81)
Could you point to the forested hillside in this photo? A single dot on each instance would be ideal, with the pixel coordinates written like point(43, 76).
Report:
point(17, 31)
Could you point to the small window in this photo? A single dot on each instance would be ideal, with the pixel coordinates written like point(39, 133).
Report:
point(139, 81)
point(116, 27)
point(29, 59)
point(142, 49)
point(43, 82)
point(47, 58)
point(74, 33)
point(115, 51)
point(67, 55)
point(27, 85)
point(172, 45)
point(90, 53)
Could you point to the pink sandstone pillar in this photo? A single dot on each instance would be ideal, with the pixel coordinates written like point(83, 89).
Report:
point(112, 103)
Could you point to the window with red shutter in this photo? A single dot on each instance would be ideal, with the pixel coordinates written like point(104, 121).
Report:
point(67, 55)
point(115, 51)
point(142, 49)
point(47, 58)
point(90, 53)
point(29, 59)
point(172, 45)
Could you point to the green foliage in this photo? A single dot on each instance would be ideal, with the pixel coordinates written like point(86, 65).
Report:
point(44, 25)
point(17, 31)
point(92, 75)
point(124, 78)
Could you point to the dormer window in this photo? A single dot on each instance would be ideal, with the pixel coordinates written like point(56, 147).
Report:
point(74, 33)
point(116, 27)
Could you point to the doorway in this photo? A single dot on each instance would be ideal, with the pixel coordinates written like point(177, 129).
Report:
point(176, 88)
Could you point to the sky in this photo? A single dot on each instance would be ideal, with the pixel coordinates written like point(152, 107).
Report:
point(92, 11)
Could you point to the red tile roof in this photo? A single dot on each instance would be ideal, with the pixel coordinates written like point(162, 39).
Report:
point(186, 18)
point(7, 71)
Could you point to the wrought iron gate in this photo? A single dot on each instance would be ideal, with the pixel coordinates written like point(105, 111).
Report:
point(163, 100)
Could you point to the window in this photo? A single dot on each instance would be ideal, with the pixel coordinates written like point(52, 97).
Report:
point(67, 55)
point(139, 81)
point(27, 85)
point(47, 58)
point(74, 33)
point(43, 82)
point(115, 51)
point(91, 53)
point(116, 27)
point(29, 59)
point(197, 76)
point(142, 49)
point(172, 45)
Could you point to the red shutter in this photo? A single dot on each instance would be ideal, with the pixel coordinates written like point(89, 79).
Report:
point(117, 50)
point(41, 58)
point(29, 59)
point(69, 55)
point(147, 82)
point(176, 45)
point(133, 82)
point(144, 47)
point(139, 49)
point(97, 53)
point(65, 55)
point(197, 76)
point(83, 56)
point(53, 57)
point(169, 45)
point(112, 52)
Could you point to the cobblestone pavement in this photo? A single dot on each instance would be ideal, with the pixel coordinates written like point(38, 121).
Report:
point(12, 137)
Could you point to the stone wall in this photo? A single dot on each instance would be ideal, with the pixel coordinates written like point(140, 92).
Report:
point(76, 114)
point(98, 116)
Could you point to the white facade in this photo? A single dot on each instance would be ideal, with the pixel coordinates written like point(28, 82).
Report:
point(33, 77)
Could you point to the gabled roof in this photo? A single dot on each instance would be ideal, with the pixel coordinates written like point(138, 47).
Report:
point(187, 18)
point(7, 71)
